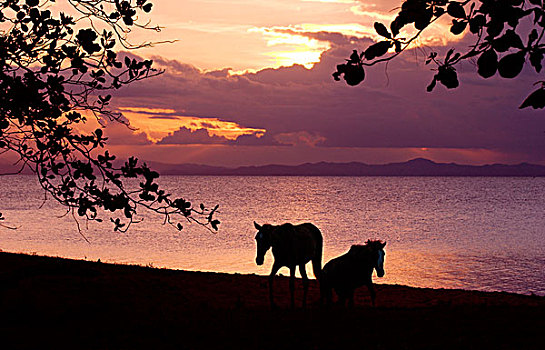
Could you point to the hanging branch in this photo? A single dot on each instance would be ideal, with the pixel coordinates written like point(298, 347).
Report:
point(499, 41)
point(51, 70)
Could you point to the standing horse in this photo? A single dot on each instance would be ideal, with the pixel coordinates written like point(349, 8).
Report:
point(292, 245)
point(352, 270)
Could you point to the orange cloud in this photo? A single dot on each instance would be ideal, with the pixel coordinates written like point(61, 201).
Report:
point(160, 123)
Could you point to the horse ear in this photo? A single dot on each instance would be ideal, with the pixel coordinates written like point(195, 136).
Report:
point(257, 226)
point(383, 244)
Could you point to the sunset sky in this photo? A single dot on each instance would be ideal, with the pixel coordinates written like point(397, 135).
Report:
point(249, 83)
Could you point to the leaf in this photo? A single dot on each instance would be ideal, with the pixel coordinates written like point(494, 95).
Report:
point(476, 23)
point(432, 84)
point(214, 224)
point(487, 63)
point(397, 46)
point(128, 20)
point(396, 25)
point(439, 11)
point(536, 57)
point(456, 10)
point(423, 19)
point(449, 53)
point(494, 27)
point(532, 37)
point(354, 57)
point(378, 49)
point(458, 27)
point(535, 100)
point(147, 7)
point(508, 40)
point(382, 31)
point(448, 77)
point(511, 65)
point(354, 74)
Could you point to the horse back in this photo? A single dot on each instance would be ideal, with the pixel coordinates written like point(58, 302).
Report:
point(346, 271)
point(297, 244)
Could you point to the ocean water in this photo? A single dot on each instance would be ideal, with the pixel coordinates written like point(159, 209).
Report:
point(441, 232)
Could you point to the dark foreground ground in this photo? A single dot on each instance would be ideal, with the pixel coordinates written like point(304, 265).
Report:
point(58, 303)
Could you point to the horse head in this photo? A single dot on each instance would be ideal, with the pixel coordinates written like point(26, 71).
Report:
point(372, 254)
point(263, 240)
point(379, 247)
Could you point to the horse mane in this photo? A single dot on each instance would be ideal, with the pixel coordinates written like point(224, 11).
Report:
point(376, 244)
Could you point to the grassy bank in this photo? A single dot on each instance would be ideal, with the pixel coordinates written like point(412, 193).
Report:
point(52, 302)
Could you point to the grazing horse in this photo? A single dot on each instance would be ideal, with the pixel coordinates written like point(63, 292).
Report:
point(292, 245)
point(352, 270)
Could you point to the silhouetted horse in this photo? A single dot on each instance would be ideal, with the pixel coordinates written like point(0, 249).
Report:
point(292, 245)
point(352, 270)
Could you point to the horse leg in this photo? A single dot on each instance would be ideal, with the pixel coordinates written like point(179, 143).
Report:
point(317, 266)
point(274, 270)
point(292, 286)
point(305, 284)
point(372, 292)
point(325, 292)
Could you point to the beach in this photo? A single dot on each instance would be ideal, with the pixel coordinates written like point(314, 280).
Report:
point(53, 302)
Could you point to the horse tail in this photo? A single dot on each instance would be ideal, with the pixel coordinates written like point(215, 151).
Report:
point(317, 259)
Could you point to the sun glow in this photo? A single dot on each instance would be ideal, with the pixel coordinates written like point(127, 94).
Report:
point(289, 58)
point(296, 48)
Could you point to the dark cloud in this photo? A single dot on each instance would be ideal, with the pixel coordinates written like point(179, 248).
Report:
point(120, 134)
point(252, 140)
point(391, 109)
point(336, 39)
point(223, 73)
point(185, 136)
point(301, 138)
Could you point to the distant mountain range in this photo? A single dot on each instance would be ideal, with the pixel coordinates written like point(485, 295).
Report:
point(415, 167)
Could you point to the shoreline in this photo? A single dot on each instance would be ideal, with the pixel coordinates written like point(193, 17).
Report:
point(280, 274)
point(130, 306)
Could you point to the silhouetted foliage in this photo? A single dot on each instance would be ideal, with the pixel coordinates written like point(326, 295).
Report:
point(508, 34)
point(54, 67)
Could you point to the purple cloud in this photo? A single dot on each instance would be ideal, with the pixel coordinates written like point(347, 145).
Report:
point(185, 136)
point(391, 109)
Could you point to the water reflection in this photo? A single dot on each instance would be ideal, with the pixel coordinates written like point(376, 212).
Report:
point(475, 233)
